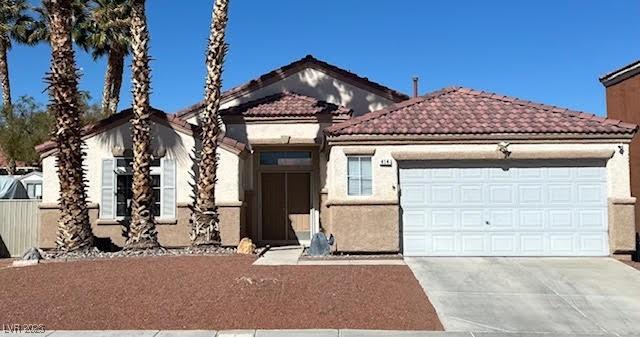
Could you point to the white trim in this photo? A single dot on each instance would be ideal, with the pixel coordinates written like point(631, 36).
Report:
point(102, 189)
point(164, 188)
point(620, 74)
point(162, 182)
point(360, 176)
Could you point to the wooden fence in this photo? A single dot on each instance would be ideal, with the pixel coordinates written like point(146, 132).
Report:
point(19, 225)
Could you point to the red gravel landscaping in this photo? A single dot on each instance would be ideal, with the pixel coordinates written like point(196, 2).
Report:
point(212, 292)
point(5, 263)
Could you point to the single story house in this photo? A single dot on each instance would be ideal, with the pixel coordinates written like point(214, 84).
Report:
point(312, 147)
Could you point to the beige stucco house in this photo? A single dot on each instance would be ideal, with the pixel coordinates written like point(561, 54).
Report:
point(311, 147)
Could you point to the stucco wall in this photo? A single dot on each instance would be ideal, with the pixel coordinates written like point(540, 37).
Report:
point(179, 146)
point(385, 182)
point(366, 228)
point(260, 132)
point(317, 84)
point(170, 234)
point(50, 182)
point(385, 179)
point(623, 103)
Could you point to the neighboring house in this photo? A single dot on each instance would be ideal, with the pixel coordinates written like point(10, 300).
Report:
point(20, 169)
point(311, 147)
point(623, 103)
point(26, 174)
point(33, 184)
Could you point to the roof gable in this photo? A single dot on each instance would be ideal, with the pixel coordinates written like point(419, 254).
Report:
point(286, 105)
point(32, 174)
point(308, 62)
point(49, 147)
point(470, 113)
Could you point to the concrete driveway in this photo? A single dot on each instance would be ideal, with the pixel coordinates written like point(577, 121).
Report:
point(599, 296)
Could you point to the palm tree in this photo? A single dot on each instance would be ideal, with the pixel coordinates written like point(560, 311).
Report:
point(142, 232)
point(14, 23)
point(205, 222)
point(40, 29)
point(101, 27)
point(74, 228)
point(110, 34)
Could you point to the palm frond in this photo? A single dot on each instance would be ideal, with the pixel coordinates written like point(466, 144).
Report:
point(15, 20)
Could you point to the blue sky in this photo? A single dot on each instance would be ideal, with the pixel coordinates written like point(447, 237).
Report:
point(550, 51)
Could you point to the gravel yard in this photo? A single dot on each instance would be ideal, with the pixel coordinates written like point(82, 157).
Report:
point(212, 292)
point(5, 263)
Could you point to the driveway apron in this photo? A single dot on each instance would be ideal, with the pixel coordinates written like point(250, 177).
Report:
point(532, 295)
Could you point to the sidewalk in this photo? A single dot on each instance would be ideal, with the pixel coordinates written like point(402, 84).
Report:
point(298, 333)
point(289, 256)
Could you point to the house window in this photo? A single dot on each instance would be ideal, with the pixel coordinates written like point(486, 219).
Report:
point(285, 158)
point(124, 181)
point(34, 190)
point(359, 181)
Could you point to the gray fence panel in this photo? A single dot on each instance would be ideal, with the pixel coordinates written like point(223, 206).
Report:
point(19, 226)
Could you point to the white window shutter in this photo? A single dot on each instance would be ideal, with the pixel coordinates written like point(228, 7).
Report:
point(108, 193)
point(168, 184)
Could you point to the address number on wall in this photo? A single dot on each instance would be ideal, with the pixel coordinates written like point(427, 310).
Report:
point(385, 162)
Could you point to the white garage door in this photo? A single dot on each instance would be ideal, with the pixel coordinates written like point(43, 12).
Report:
point(508, 208)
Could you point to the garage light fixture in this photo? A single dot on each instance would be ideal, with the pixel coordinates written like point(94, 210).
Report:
point(504, 148)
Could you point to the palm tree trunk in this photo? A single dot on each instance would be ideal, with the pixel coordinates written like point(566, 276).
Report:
point(4, 73)
point(106, 88)
point(142, 232)
point(74, 228)
point(116, 84)
point(205, 222)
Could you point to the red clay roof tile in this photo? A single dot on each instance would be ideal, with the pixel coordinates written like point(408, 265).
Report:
point(286, 104)
point(463, 111)
point(291, 68)
point(114, 120)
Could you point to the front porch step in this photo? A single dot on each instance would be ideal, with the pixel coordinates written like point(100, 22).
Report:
point(280, 256)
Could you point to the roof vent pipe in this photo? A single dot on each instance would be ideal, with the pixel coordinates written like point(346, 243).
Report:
point(415, 86)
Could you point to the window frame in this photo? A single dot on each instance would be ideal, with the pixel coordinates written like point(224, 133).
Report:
point(128, 171)
point(34, 185)
point(298, 158)
point(360, 176)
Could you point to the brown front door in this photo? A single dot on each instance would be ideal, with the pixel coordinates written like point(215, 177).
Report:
point(274, 204)
point(286, 203)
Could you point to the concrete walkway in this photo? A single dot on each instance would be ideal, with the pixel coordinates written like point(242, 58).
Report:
point(289, 255)
point(585, 296)
point(304, 333)
point(353, 262)
point(280, 256)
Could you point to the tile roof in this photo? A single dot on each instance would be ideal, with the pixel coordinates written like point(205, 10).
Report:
point(460, 111)
point(293, 67)
point(49, 147)
point(286, 104)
